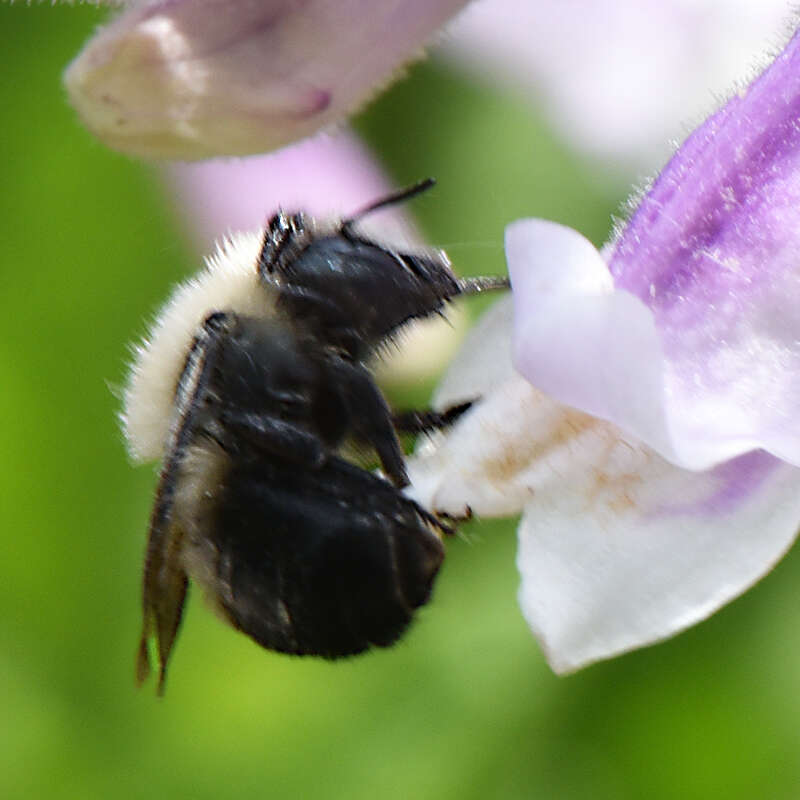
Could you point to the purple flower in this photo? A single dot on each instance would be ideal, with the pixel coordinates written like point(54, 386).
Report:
point(656, 460)
point(191, 79)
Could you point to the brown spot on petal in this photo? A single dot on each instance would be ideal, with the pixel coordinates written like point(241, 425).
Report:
point(616, 489)
point(516, 455)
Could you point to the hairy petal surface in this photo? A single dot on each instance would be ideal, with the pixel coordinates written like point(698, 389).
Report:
point(696, 348)
point(191, 79)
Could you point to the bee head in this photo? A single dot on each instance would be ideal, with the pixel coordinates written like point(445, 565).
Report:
point(353, 292)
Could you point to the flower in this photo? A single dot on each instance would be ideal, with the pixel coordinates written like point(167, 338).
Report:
point(656, 461)
point(191, 79)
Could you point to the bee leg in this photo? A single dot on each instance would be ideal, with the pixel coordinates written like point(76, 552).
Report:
point(271, 435)
point(427, 421)
point(370, 417)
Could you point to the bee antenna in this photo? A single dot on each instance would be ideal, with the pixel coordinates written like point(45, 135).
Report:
point(400, 196)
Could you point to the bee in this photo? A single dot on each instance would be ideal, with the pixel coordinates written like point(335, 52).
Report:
point(252, 379)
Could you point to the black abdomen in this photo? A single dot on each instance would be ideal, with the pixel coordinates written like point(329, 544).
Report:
point(325, 562)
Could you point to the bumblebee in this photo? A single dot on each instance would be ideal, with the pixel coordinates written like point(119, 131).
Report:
point(253, 378)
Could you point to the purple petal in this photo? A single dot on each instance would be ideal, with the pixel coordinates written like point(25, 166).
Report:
point(712, 255)
point(190, 79)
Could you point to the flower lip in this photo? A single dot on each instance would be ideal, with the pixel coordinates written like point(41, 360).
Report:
point(618, 547)
point(667, 369)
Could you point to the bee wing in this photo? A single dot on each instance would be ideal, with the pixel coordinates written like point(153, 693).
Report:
point(164, 580)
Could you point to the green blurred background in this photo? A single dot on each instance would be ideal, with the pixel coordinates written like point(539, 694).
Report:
point(465, 706)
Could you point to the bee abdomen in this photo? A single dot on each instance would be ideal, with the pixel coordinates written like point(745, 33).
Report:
point(325, 563)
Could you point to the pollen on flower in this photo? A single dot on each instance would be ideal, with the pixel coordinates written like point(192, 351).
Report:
point(517, 454)
point(614, 490)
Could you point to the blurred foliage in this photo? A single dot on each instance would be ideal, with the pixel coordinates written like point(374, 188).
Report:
point(465, 706)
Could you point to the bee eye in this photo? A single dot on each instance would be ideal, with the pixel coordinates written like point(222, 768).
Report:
point(284, 237)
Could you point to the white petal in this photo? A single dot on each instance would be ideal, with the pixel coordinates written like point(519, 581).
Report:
point(487, 462)
point(618, 547)
point(449, 472)
point(484, 361)
point(635, 549)
point(578, 339)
